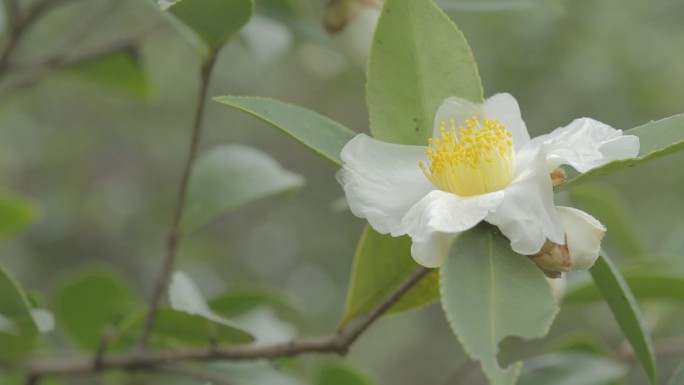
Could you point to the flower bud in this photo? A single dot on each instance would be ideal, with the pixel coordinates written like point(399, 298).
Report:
point(583, 235)
point(352, 24)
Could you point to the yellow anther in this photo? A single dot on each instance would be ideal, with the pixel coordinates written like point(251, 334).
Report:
point(471, 160)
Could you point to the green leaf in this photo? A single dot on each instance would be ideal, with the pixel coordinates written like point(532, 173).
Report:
point(418, 59)
point(186, 297)
point(213, 21)
point(489, 293)
point(571, 368)
point(609, 207)
point(657, 139)
point(120, 70)
point(17, 330)
point(231, 176)
point(341, 374)
point(678, 376)
point(324, 136)
point(619, 297)
point(16, 213)
point(241, 300)
point(90, 301)
point(644, 285)
point(382, 263)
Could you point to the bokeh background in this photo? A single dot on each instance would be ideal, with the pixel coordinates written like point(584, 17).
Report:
point(102, 163)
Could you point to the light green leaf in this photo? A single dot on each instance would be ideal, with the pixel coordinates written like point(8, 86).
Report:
point(341, 374)
point(231, 176)
point(418, 59)
point(678, 376)
point(186, 297)
point(656, 139)
point(324, 136)
point(17, 330)
point(609, 207)
point(381, 264)
point(489, 293)
point(619, 297)
point(572, 368)
point(44, 320)
point(644, 285)
point(241, 300)
point(105, 294)
point(120, 70)
point(16, 213)
point(213, 21)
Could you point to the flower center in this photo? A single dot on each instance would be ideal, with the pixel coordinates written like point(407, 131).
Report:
point(470, 161)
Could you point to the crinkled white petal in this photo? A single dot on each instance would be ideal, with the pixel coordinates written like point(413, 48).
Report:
point(441, 212)
point(527, 215)
point(587, 143)
point(504, 108)
point(501, 107)
point(584, 234)
point(382, 181)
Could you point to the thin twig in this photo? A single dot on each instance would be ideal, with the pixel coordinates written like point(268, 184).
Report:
point(175, 235)
point(212, 378)
point(150, 360)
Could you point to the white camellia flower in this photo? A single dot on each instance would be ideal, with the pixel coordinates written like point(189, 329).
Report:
point(480, 165)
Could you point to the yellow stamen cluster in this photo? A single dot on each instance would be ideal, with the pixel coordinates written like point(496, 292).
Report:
point(471, 160)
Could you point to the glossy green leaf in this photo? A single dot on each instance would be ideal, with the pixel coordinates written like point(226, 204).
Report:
point(418, 59)
point(17, 330)
point(341, 374)
point(678, 376)
point(231, 176)
point(644, 286)
point(657, 139)
point(214, 21)
point(241, 300)
point(382, 263)
point(16, 213)
point(619, 297)
point(609, 207)
point(105, 294)
point(120, 70)
point(324, 136)
point(489, 293)
point(572, 368)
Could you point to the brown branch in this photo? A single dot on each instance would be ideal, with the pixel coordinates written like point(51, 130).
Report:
point(152, 360)
point(175, 234)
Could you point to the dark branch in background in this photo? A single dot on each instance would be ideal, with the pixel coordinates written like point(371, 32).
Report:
point(175, 233)
point(157, 360)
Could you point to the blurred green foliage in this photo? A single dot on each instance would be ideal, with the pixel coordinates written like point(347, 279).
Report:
point(103, 164)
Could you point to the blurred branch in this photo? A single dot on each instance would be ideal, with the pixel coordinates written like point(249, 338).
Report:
point(35, 73)
point(20, 24)
point(175, 233)
point(152, 360)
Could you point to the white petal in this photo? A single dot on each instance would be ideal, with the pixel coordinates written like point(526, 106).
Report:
point(457, 109)
point(587, 143)
point(505, 109)
point(382, 181)
point(584, 234)
point(527, 215)
point(442, 214)
point(431, 251)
